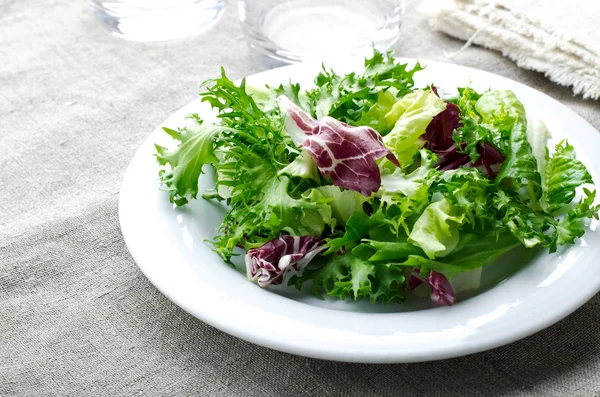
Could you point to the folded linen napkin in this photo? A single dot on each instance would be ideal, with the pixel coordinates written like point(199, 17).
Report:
point(556, 37)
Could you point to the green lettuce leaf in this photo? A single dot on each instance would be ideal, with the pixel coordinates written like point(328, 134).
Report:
point(504, 112)
point(562, 176)
point(252, 152)
point(436, 231)
point(349, 276)
point(347, 98)
point(471, 134)
point(196, 148)
point(472, 252)
point(388, 283)
point(375, 116)
point(303, 166)
point(392, 251)
point(343, 203)
point(572, 226)
point(358, 226)
point(537, 135)
point(410, 116)
point(469, 190)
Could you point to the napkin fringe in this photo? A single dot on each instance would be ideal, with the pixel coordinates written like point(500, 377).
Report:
point(531, 46)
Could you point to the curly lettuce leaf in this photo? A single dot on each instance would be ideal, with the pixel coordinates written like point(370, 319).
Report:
point(347, 98)
point(469, 190)
point(562, 176)
point(349, 276)
point(252, 153)
point(196, 148)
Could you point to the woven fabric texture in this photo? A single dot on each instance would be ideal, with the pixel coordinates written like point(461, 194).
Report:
point(77, 317)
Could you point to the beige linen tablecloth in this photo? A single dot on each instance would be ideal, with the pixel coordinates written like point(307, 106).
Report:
point(78, 318)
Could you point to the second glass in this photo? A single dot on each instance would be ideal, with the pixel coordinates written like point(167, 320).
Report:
point(291, 31)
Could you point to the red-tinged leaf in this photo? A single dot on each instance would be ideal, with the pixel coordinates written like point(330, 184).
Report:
point(270, 263)
point(344, 153)
point(441, 290)
point(439, 132)
point(439, 139)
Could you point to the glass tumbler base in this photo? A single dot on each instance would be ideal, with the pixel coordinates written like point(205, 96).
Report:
point(157, 20)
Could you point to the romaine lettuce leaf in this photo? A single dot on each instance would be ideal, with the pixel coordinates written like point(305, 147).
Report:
point(537, 135)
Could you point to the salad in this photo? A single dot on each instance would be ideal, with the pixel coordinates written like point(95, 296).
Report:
point(367, 187)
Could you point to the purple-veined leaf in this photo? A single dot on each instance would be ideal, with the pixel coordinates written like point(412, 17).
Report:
point(343, 153)
point(441, 290)
point(270, 263)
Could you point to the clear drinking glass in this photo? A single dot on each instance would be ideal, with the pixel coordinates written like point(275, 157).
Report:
point(291, 31)
point(157, 20)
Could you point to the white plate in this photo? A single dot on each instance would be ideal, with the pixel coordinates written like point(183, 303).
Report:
point(168, 246)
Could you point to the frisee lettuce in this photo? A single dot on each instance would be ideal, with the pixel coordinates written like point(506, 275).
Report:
point(475, 182)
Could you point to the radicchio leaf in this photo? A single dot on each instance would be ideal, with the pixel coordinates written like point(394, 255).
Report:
point(441, 290)
point(344, 153)
point(439, 139)
point(270, 263)
point(438, 134)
